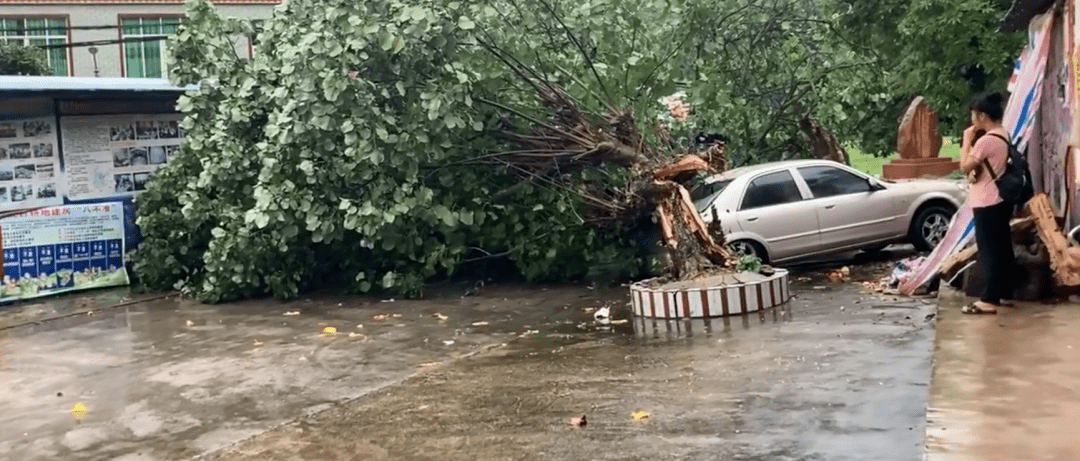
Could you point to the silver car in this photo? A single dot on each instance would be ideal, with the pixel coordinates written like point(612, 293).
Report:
point(802, 208)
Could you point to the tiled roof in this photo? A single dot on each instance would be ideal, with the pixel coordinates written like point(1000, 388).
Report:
point(131, 2)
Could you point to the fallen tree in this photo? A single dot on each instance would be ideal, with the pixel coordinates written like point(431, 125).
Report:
point(387, 142)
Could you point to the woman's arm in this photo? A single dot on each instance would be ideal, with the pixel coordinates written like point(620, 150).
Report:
point(968, 162)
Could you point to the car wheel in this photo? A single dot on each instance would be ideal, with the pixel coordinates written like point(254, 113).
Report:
point(749, 248)
point(930, 226)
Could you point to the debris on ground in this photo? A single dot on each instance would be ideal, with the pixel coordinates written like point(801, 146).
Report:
point(479, 324)
point(475, 290)
point(292, 313)
point(579, 421)
point(448, 342)
point(440, 316)
point(78, 411)
point(329, 331)
point(640, 415)
point(381, 317)
point(619, 322)
point(603, 313)
point(839, 275)
point(901, 270)
point(190, 323)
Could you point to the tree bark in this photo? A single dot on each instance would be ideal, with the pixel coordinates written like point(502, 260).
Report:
point(823, 143)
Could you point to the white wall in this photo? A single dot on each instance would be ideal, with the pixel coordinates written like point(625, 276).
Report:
point(109, 56)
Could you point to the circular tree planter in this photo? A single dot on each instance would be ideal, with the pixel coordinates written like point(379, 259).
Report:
point(716, 296)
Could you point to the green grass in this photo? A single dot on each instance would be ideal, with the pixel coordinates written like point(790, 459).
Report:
point(872, 165)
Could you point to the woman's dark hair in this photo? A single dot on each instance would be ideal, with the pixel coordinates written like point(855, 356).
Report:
point(991, 104)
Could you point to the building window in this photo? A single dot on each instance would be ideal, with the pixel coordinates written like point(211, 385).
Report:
point(144, 45)
point(40, 32)
point(253, 39)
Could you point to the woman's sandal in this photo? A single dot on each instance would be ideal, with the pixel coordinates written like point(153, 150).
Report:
point(974, 309)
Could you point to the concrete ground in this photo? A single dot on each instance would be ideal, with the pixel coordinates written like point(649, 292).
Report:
point(1007, 386)
point(837, 374)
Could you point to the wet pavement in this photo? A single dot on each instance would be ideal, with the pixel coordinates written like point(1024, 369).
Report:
point(1006, 386)
point(834, 375)
point(809, 382)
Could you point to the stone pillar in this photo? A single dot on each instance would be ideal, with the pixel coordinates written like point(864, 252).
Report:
point(919, 144)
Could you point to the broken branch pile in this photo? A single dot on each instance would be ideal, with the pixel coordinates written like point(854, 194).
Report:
point(572, 141)
point(1064, 259)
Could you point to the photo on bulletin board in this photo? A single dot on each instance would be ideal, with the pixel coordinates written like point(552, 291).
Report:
point(25, 146)
point(116, 156)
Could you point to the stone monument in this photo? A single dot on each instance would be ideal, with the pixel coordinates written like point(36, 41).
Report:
point(919, 144)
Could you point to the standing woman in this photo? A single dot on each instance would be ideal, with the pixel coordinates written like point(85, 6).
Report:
point(992, 214)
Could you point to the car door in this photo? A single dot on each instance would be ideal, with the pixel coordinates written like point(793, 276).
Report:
point(850, 211)
point(773, 209)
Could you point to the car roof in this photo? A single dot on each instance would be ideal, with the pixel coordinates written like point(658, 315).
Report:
point(743, 170)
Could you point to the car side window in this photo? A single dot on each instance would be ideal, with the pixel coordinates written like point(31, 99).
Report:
point(826, 181)
point(771, 189)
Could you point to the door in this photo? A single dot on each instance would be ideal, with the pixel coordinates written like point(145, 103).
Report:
point(775, 210)
point(850, 211)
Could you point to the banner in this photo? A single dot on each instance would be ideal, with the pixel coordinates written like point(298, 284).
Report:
point(1025, 84)
point(29, 163)
point(65, 248)
point(114, 156)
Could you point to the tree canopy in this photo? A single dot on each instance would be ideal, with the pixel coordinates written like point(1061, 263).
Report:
point(18, 59)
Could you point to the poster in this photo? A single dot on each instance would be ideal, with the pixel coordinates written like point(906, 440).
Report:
point(29, 163)
point(64, 248)
point(115, 156)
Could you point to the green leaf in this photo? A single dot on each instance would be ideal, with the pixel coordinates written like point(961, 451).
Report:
point(386, 41)
point(465, 23)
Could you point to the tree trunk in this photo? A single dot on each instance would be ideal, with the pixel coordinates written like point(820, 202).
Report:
point(823, 143)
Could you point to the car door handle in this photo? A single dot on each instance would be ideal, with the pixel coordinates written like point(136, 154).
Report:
point(752, 219)
point(829, 207)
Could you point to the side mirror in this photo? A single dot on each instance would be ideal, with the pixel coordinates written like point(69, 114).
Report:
point(874, 184)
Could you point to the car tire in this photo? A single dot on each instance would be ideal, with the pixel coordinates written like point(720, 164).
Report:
point(749, 248)
point(929, 226)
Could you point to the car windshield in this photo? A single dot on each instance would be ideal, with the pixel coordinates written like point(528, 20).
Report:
point(704, 194)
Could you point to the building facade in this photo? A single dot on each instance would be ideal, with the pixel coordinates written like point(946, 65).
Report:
point(110, 38)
